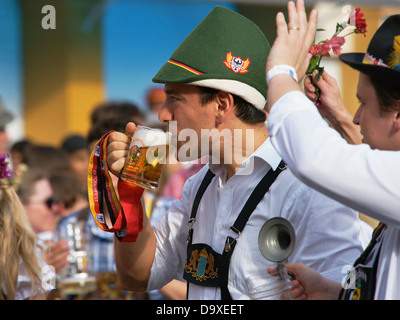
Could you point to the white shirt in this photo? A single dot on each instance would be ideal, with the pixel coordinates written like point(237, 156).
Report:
point(24, 282)
point(324, 242)
point(364, 179)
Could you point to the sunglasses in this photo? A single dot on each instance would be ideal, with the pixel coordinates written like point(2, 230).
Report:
point(48, 202)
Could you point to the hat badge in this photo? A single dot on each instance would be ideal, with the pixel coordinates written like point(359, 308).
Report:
point(236, 64)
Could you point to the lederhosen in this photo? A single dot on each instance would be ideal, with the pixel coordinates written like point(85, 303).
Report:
point(361, 281)
point(204, 266)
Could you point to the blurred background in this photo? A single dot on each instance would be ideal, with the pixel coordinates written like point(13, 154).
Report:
point(51, 79)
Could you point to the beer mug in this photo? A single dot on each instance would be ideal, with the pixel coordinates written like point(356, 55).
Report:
point(77, 277)
point(146, 158)
point(263, 286)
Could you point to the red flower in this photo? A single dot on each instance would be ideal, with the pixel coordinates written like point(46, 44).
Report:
point(336, 44)
point(319, 104)
point(360, 23)
point(321, 49)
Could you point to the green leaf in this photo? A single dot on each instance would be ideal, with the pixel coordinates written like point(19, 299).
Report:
point(313, 64)
point(320, 73)
point(317, 77)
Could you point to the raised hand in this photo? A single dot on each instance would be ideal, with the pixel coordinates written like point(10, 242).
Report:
point(294, 39)
point(117, 148)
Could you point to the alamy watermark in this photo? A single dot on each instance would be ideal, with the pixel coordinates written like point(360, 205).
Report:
point(224, 147)
point(349, 281)
point(49, 20)
point(48, 277)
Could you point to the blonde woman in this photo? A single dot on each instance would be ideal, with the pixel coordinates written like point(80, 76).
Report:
point(20, 270)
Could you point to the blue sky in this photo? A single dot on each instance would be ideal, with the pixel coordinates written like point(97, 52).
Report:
point(140, 36)
point(10, 56)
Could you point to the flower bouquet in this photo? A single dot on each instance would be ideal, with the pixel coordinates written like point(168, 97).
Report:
point(5, 171)
point(354, 22)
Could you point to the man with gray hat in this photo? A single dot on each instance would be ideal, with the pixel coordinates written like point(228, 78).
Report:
point(215, 83)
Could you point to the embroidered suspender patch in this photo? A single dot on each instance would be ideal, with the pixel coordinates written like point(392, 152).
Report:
point(201, 265)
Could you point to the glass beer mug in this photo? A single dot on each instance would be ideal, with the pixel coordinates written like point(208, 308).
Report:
point(77, 278)
point(147, 156)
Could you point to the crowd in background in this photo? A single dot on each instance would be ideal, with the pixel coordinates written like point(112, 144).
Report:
point(43, 190)
point(51, 184)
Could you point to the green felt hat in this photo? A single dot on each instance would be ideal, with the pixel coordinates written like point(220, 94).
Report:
point(226, 51)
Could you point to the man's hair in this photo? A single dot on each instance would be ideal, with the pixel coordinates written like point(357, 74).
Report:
point(126, 109)
point(28, 180)
point(104, 125)
point(388, 94)
point(243, 110)
point(66, 188)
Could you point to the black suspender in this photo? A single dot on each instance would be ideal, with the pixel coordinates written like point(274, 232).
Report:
point(365, 269)
point(203, 186)
point(256, 196)
point(252, 202)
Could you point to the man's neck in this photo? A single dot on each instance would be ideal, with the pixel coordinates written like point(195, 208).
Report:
point(244, 142)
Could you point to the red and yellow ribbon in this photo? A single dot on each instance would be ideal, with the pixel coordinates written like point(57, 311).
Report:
point(123, 215)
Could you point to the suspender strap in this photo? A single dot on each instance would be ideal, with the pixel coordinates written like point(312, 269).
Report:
point(367, 273)
point(256, 196)
point(203, 186)
point(252, 202)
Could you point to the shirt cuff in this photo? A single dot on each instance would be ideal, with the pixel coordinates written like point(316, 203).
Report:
point(286, 105)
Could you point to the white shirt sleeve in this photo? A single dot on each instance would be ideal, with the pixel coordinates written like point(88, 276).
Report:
point(171, 231)
point(366, 180)
point(170, 256)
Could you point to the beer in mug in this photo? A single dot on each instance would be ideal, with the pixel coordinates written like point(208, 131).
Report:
point(146, 158)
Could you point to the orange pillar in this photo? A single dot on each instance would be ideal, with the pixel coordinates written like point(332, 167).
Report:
point(62, 69)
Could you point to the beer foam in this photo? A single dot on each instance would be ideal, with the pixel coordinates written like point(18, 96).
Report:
point(151, 137)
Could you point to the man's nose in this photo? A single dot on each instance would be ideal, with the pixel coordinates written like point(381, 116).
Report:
point(164, 115)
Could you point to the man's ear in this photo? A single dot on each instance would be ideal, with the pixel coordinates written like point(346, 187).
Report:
point(397, 121)
point(396, 118)
point(225, 105)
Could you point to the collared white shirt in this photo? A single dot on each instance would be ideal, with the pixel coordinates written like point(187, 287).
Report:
point(325, 243)
point(364, 179)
